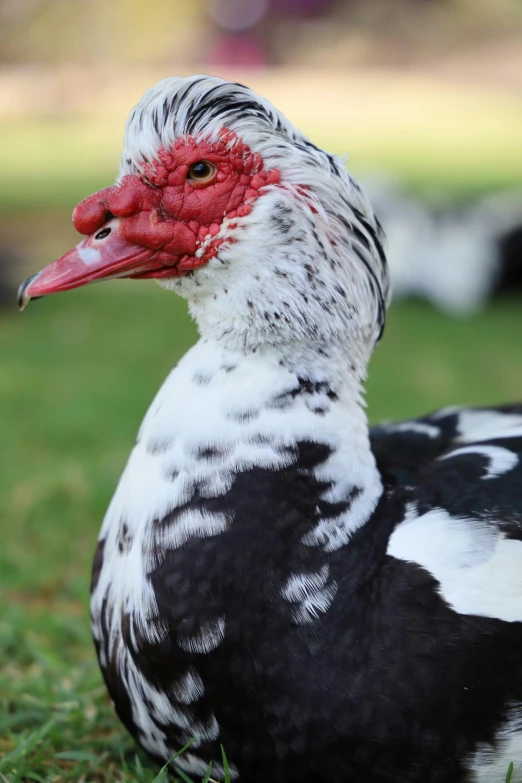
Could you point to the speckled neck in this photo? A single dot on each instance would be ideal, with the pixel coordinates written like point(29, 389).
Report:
point(222, 412)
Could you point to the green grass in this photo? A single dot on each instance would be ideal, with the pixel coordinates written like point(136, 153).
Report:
point(77, 372)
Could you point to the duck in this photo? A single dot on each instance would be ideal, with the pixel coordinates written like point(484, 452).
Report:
point(321, 600)
point(455, 256)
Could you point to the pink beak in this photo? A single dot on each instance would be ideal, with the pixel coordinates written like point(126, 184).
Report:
point(102, 255)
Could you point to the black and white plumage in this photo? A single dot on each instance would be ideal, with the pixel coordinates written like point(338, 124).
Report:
point(327, 602)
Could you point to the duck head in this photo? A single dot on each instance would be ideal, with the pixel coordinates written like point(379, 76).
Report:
point(223, 200)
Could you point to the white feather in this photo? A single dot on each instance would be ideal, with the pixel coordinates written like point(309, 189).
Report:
point(490, 763)
point(479, 570)
point(500, 460)
point(481, 425)
point(311, 592)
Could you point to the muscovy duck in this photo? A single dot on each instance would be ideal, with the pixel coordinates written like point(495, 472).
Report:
point(327, 602)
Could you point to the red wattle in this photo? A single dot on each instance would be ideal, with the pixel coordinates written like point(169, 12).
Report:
point(168, 212)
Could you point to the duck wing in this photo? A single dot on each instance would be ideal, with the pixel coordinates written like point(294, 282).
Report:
point(473, 438)
point(462, 512)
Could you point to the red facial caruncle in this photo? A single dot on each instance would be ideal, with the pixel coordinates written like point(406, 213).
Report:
point(163, 223)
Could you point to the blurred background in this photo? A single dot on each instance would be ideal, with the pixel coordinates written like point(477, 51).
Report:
point(424, 95)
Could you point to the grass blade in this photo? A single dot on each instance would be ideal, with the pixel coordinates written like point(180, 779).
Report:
point(509, 773)
point(183, 749)
point(207, 774)
point(163, 774)
point(76, 755)
point(226, 768)
point(183, 775)
point(26, 745)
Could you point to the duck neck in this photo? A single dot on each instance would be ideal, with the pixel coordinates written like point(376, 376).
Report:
point(223, 413)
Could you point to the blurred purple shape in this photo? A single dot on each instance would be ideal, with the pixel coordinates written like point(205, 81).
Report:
point(237, 14)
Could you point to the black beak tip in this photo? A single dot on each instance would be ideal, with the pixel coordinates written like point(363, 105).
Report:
point(23, 299)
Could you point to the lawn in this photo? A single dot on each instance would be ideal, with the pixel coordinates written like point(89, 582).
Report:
point(77, 372)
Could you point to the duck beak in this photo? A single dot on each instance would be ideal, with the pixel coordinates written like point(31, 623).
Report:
point(103, 255)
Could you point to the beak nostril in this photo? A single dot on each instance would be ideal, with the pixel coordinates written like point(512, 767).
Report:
point(103, 233)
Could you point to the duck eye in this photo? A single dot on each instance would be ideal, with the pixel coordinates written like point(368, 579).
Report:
point(202, 171)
